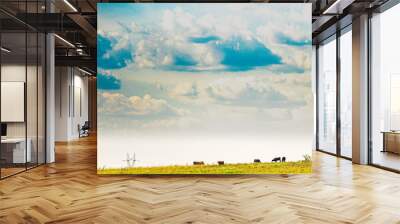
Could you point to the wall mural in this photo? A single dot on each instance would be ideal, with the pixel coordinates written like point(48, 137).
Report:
point(204, 88)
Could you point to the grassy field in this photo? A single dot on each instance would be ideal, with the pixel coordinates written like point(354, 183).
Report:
point(243, 168)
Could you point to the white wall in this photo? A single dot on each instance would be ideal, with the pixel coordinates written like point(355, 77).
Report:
point(62, 82)
point(13, 72)
point(80, 110)
point(17, 73)
point(71, 94)
point(33, 126)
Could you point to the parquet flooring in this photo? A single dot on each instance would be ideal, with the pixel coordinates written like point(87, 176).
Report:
point(69, 191)
point(10, 171)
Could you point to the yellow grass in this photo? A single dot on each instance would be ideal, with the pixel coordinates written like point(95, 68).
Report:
point(242, 168)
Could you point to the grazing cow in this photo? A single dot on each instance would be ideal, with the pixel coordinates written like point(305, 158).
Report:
point(221, 162)
point(257, 160)
point(198, 163)
point(283, 159)
point(276, 159)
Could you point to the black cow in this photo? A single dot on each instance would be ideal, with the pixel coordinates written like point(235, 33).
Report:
point(276, 159)
point(257, 161)
point(198, 163)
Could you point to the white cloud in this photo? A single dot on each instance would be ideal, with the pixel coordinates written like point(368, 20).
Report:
point(271, 91)
point(185, 89)
point(119, 104)
point(178, 20)
point(292, 55)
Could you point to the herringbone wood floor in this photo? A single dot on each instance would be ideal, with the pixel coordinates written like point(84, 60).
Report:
point(69, 191)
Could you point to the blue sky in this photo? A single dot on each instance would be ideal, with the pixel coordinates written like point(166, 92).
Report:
point(180, 66)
